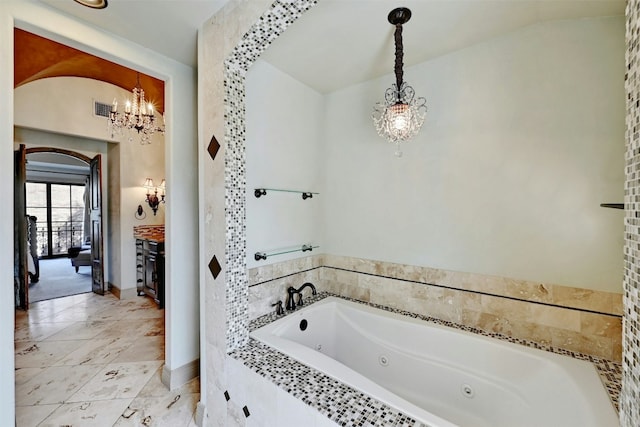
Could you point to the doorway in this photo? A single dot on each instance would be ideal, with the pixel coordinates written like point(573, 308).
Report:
point(58, 192)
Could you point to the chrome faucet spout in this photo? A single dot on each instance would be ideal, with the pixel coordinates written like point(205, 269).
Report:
point(301, 288)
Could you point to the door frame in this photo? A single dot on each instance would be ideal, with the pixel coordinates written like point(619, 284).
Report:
point(87, 160)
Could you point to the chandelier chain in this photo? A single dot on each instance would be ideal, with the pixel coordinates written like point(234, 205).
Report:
point(399, 56)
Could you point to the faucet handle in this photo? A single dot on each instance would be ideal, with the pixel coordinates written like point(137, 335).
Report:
point(278, 306)
point(300, 302)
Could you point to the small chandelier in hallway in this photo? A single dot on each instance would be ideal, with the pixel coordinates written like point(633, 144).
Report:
point(138, 114)
point(401, 115)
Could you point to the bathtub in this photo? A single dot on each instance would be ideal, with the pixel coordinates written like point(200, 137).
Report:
point(440, 376)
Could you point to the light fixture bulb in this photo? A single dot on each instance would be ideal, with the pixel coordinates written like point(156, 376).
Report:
point(400, 116)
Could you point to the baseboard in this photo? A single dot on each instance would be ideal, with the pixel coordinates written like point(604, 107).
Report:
point(122, 293)
point(114, 290)
point(201, 414)
point(180, 376)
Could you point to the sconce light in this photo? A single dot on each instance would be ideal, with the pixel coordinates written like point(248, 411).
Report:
point(152, 199)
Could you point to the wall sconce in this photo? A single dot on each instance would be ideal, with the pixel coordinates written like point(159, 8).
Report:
point(152, 199)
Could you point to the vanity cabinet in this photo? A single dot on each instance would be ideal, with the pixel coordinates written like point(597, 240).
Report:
point(150, 269)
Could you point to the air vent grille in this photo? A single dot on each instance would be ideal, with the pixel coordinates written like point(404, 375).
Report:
point(101, 109)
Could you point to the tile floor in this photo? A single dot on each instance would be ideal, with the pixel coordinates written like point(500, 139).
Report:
point(90, 360)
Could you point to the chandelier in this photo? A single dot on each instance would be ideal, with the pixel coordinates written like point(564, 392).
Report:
point(138, 114)
point(401, 115)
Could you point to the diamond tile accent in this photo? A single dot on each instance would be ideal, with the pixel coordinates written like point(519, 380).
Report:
point(213, 147)
point(214, 267)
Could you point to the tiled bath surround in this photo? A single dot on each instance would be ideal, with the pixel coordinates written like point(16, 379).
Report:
point(574, 319)
point(224, 303)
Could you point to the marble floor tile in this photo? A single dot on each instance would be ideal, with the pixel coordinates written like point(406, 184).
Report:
point(31, 416)
point(155, 387)
point(128, 309)
point(102, 413)
point(30, 354)
point(126, 329)
point(39, 331)
point(117, 381)
point(96, 352)
point(81, 331)
point(144, 348)
point(144, 313)
point(22, 375)
point(173, 409)
point(82, 360)
point(53, 385)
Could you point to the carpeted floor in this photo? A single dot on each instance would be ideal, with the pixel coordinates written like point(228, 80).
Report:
point(58, 278)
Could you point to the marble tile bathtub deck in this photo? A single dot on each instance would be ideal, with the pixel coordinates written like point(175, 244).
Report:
point(349, 407)
point(90, 360)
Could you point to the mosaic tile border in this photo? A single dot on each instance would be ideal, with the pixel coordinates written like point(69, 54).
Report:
point(610, 372)
point(271, 24)
point(629, 402)
point(337, 401)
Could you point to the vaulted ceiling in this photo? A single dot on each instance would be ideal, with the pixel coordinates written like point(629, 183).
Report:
point(37, 57)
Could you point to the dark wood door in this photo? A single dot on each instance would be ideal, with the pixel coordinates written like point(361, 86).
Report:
point(95, 200)
point(21, 272)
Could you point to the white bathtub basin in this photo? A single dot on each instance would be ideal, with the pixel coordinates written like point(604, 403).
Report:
point(441, 376)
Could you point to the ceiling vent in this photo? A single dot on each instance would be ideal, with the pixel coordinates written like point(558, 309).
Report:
point(101, 110)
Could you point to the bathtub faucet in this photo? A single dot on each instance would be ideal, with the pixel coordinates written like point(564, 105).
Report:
point(301, 288)
point(291, 304)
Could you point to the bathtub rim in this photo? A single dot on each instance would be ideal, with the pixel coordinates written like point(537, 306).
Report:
point(608, 370)
point(269, 334)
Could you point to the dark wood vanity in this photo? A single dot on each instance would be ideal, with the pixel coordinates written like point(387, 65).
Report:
point(150, 262)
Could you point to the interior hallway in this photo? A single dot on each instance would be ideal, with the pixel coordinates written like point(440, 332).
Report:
point(90, 360)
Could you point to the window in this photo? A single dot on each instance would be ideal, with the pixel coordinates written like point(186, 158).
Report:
point(59, 209)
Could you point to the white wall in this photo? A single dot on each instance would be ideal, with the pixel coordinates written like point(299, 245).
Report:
point(65, 105)
point(284, 151)
point(180, 94)
point(523, 140)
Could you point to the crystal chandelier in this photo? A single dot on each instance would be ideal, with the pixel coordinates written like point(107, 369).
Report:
point(401, 115)
point(138, 114)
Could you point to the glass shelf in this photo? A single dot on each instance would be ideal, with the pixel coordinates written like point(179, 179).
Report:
point(264, 255)
point(258, 192)
point(612, 205)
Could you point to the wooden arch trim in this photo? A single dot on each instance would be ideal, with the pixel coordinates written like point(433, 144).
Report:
point(62, 151)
